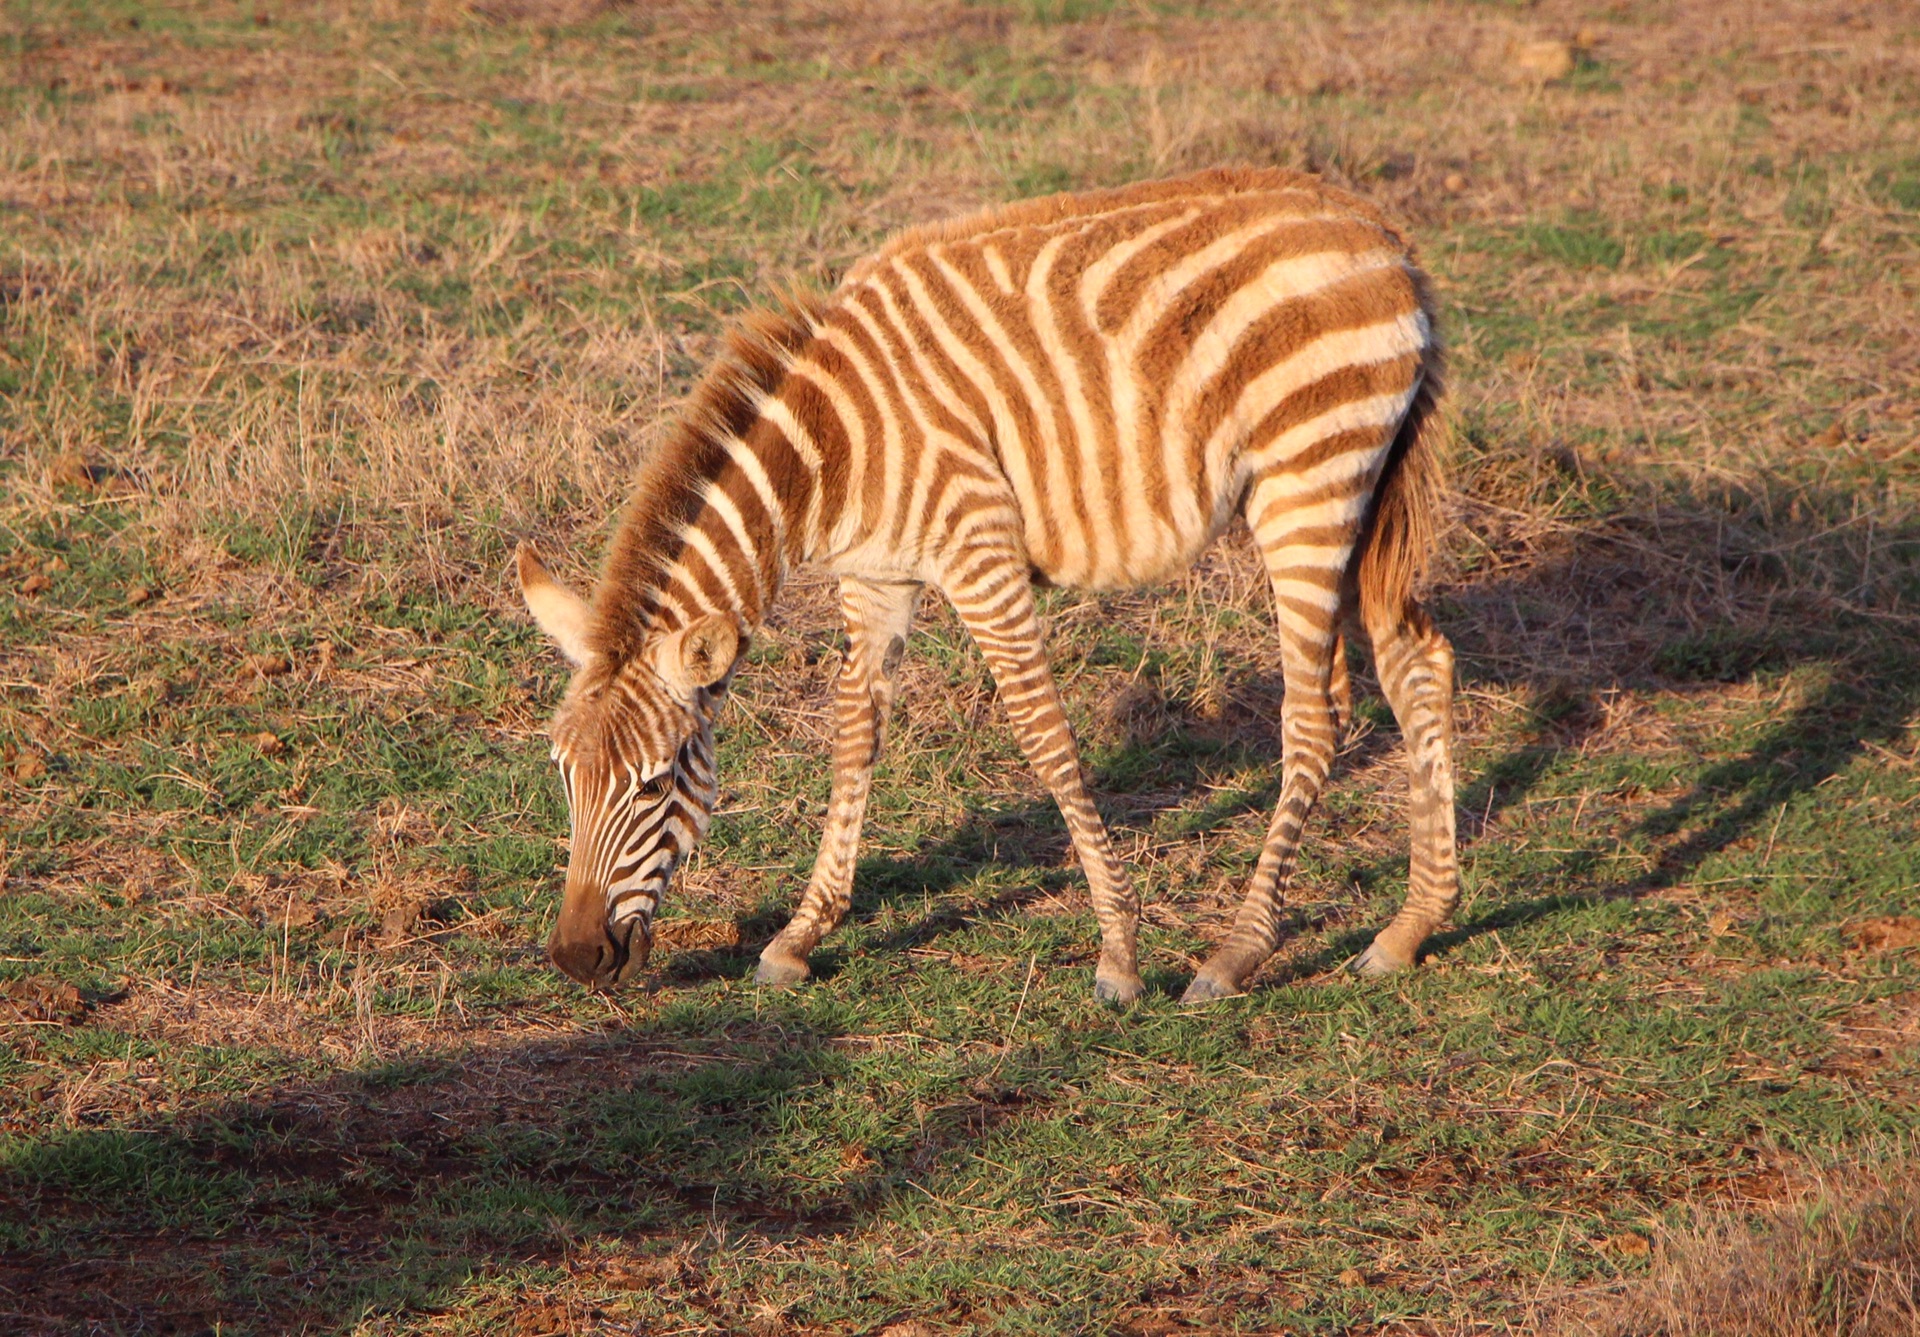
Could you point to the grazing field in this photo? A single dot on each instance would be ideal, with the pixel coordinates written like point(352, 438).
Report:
point(308, 312)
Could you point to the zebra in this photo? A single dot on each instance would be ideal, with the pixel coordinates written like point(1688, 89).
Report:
point(1081, 390)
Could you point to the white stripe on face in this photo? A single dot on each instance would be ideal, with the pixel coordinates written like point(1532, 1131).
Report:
point(639, 824)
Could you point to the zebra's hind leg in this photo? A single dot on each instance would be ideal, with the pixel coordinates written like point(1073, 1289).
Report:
point(992, 591)
point(878, 617)
point(1340, 690)
point(1415, 664)
point(1305, 557)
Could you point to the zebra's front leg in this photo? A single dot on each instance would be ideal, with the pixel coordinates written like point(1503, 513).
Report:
point(878, 617)
point(993, 593)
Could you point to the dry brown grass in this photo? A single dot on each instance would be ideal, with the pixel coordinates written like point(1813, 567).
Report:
point(1842, 1260)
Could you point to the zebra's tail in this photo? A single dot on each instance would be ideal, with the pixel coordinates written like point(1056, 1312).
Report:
point(1405, 519)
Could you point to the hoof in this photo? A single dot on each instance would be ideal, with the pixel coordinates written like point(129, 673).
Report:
point(1206, 989)
point(1118, 989)
point(781, 972)
point(1376, 961)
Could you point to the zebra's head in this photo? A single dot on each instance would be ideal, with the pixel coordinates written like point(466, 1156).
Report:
point(634, 742)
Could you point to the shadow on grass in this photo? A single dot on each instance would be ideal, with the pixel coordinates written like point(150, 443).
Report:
point(383, 1190)
point(1696, 598)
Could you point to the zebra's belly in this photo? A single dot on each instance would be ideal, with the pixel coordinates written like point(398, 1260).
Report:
point(1147, 533)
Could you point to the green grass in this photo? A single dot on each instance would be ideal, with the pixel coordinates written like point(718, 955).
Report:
point(298, 336)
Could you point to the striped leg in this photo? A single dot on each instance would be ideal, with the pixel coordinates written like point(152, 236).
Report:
point(1340, 687)
point(877, 617)
point(993, 593)
point(1305, 557)
point(1416, 672)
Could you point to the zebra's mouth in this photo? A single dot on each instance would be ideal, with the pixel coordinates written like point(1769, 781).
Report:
point(632, 940)
point(630, 925)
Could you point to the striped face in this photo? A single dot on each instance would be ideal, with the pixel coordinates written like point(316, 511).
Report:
point(634, 743)
point(637, 766)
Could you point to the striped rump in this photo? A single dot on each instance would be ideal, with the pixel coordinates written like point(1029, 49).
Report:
point(1081, 390)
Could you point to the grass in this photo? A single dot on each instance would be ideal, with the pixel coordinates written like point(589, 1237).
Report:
point(1839, 1259)
point(308, 312)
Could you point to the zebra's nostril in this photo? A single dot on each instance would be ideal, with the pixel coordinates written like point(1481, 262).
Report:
point(590, 962)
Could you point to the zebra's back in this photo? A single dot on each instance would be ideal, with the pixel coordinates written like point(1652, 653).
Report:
point(1127, 361)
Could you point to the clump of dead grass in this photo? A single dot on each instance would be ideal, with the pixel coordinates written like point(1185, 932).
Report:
point(1843, 1260)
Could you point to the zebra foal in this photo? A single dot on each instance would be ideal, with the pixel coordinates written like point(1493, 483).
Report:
point(1081, 390)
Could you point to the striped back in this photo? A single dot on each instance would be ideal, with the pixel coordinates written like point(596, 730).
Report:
point(1125, 361)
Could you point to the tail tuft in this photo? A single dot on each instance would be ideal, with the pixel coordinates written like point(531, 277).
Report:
point(1405, 520)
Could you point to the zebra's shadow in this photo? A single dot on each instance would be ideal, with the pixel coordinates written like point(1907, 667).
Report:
point(1736, 599)
point(391, 1188)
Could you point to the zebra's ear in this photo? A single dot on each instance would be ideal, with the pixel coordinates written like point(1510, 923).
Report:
point(561, 613)
point(699, 655)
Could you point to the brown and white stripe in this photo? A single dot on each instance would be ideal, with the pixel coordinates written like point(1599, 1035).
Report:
point(1081, 390)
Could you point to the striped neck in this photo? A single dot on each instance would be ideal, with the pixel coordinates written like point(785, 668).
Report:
point(736, 528)
point(729, 500)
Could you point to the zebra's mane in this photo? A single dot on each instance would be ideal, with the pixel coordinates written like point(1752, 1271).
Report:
point(667, 495)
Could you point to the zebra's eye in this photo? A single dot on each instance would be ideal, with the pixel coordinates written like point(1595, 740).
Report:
point(658, 786)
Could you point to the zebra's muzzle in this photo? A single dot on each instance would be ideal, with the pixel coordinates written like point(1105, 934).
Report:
point(601, 961)
point(596, 953)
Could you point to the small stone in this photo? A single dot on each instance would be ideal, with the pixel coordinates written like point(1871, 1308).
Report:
point(1353, 1276)
point(71, 470)
point(35, 583)
point(1542, 61)
point(637, 1273)
point(138, 595)
point(295, 913)
point(267, 665)
point(1454, 183)
point(269, 744)
point(397, 923)
point(28, 767)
